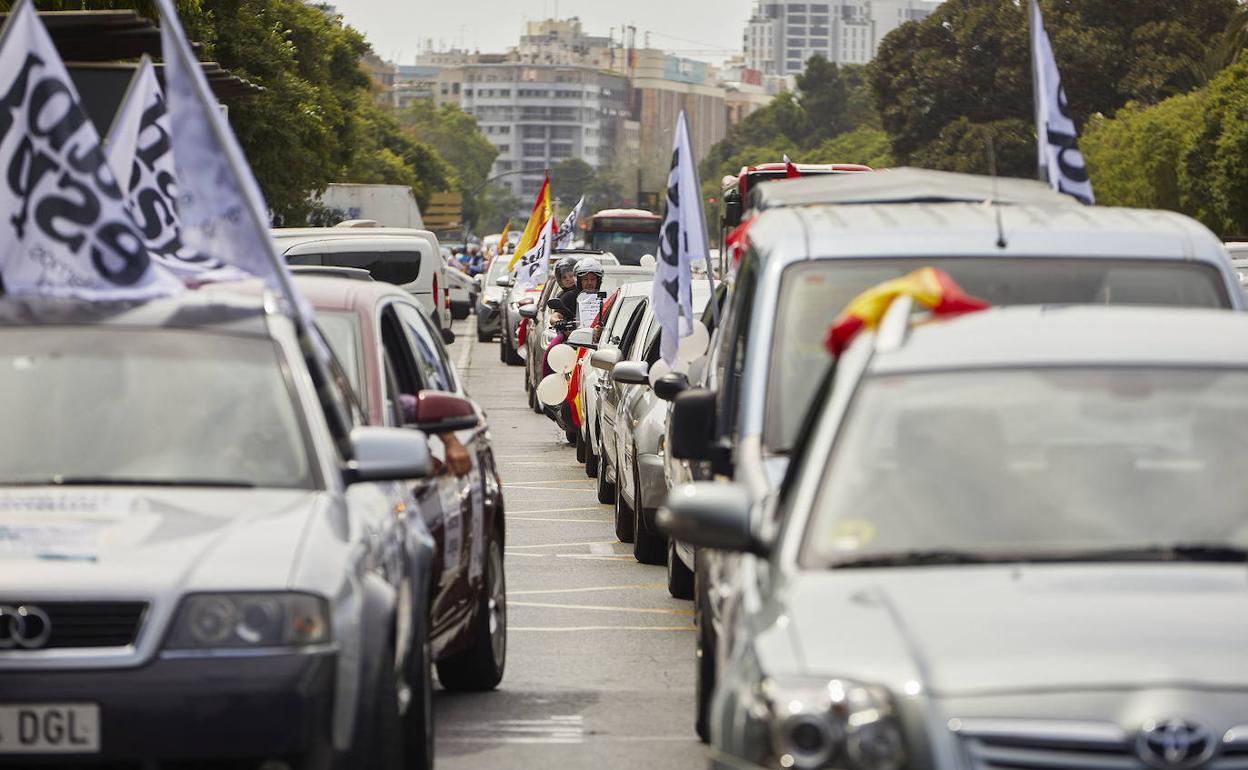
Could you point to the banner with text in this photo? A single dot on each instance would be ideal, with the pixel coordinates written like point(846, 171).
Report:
point(567, 231)
point(1061, 162)
point(681, 241)
point(534, 266)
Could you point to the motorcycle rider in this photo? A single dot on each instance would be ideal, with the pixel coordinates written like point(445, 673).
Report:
point(589, 275)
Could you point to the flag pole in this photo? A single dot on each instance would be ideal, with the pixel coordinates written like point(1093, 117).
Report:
point(1032, 15)
point(706, 251)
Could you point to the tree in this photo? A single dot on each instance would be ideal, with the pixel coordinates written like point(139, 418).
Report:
point(455, 136)
point(824, 99)
point(570, 179)
point(1213, 172)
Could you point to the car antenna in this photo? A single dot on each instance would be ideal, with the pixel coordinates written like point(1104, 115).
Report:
point(996, 191)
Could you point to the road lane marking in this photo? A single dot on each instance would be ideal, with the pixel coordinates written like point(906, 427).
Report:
point(530, 555)
point(555, 730)
point(569, 521)
point(514, 488)
point(548, 481)
point(591, 557)
point(557, 629)
point(601, 608)
point(556, 510)
point(464, 357)
point(560, 545)
point(631, 587)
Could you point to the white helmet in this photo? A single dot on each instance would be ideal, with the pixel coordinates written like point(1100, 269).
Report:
point(589, 265)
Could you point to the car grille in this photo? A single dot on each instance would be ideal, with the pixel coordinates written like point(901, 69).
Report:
point(1020, 744)
point(90, 624)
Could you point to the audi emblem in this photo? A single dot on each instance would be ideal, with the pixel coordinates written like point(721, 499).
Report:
point(1176, 744)
point(25, 626)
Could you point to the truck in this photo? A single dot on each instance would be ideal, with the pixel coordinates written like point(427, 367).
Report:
point(387, 205)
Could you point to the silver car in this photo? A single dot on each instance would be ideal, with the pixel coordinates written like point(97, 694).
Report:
point(201, 559)
point(806, 263)
point(1015, 539)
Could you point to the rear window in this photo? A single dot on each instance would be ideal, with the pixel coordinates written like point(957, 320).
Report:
point(812, 294)
point(396, 267)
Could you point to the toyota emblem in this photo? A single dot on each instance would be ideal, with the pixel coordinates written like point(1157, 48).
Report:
point(1176, 744)
point(25, 626)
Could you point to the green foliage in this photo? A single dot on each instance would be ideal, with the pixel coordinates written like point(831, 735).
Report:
point(1214, 166)
point(968, 64)
point(454, 135)
point(497, 204)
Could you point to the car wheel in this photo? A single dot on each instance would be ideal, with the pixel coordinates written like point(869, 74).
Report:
point(480, 667)
point(591, 460)
point(482, 336)
point(648, 547)
point(418, 719)
point(532, 396)
point(580, 447)
point(510, 356)
point(606, 490)
point(679, 577)
point(623, 513)
point(705, 652)
point(502, 348)
point(572, 436)
point(383, 748)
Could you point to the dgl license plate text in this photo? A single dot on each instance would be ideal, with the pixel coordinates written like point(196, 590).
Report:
point(50, 728)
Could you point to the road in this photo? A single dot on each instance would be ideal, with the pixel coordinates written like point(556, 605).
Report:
point(600, 666)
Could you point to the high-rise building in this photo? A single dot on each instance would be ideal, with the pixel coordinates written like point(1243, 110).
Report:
point(782, 35)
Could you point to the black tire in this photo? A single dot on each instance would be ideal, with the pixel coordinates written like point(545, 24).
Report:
point(591, 460)
point(510, 356)
point(483, 337)
point(679, 577)
point(480, 666)
point(648, 547)
point(383, 739)
point(606, 490)
point(580, 448)
point(572, 436)
point(461, 312)
point(502, 348)
point(530, 394)
point(705, 683)
point(624, 518)
point(418, 719)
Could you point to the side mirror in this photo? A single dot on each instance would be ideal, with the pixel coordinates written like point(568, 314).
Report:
point(605, 359)
point(448, 336)
point(693, 421)
point(387, 454)
point(504, 281)
point(438, 412)
point(631, 373)
point(671, 385)
point(581, 338)
point(528, 311)
point(708, 514)
point(554, 304)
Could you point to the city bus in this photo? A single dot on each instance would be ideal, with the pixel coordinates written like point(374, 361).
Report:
point(627, 233)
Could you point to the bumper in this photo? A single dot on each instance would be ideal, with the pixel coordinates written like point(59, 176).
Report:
point(227, 708)
point(653, 488)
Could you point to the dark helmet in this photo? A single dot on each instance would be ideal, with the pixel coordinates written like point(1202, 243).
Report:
point(565, 265)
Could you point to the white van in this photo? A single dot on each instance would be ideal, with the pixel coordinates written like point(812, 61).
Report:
point(410, 259)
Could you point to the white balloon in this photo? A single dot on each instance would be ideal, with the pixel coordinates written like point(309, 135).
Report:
point(561, 358)
point(553, 390)
point(694, 346)
point(659, 369)
point(647, 260)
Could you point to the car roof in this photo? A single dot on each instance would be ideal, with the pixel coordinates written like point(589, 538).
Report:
point(338, 244)
point(971, 230)
point(627, 270)
point(329, 293)
point(221, 309)
point(904, 185)
point(1072, 335)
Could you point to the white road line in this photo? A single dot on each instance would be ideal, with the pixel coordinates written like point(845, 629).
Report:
point(600, 608)
point(591, 557)
point(559, 545)
point(464, 357)
point(556, 510)
point(577, 629)
point(568, 521)
point(632, 587)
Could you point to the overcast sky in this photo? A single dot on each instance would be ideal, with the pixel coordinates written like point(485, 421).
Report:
point(701, 29)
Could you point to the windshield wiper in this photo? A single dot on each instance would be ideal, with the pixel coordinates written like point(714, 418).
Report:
point(1215, 552)
point(121, 481)
point(917, 558)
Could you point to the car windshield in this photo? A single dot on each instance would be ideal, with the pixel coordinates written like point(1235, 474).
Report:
point(161, 407)
point(498, 268)
point(812, 294)
point(628, 247)
point(1040, 462)
point(342, 331)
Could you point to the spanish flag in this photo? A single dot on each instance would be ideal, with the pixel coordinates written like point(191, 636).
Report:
point(502, 239)
point(540, 216)
point(928, 286)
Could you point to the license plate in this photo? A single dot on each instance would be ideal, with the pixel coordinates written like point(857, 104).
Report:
point(50, 728)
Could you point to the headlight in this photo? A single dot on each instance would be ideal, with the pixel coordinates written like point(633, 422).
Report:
point(831, 724)
point(209, 621)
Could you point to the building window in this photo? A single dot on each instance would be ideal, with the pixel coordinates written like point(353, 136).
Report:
point(503, 149)
point(534, 150)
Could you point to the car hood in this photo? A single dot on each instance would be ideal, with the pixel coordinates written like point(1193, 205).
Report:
point(111, 540)
point(983, 629)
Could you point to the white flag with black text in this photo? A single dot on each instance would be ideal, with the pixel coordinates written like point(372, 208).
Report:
point(567, 230)
point(219, 202)
point(141, 153)
point(533, 269)
point(681, 241)
point(1061, 162)
point(64, 226)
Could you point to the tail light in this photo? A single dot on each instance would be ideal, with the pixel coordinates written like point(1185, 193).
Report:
point(435, 291)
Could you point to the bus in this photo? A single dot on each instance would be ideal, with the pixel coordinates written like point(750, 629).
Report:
point(629, 234)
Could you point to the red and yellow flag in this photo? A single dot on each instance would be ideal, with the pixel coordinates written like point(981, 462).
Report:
point(929, 286)
point(533, 230)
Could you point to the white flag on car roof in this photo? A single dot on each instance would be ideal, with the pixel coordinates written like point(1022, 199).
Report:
point(1061, 162)
point(533, 269)
point(567, 230)
point(221, 207)
point(64, 227)
point(141, 153)
point(681, 241)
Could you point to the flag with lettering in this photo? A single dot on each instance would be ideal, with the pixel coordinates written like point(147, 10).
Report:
point(1061, 162)
point(533, 269)
point(567, 230)
point(141, 154)
point(222, 210)
point(681, 241)
point(64, 226)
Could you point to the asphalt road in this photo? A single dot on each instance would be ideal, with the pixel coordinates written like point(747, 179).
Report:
point(600, 667)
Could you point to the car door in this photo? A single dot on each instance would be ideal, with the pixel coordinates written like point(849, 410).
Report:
point(461, 497)
point(609, 390)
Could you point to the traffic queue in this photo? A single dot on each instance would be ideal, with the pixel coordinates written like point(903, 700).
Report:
point(947, 466)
